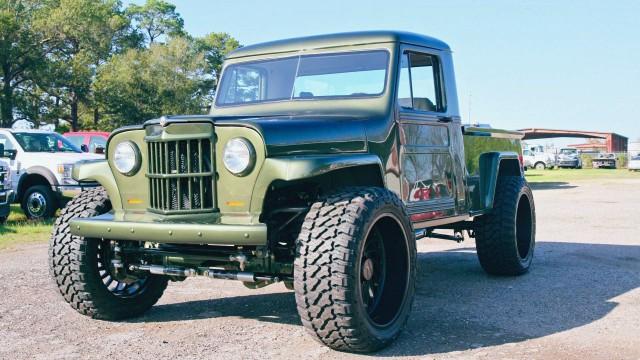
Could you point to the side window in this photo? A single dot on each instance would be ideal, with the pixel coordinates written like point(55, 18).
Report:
point(404, 84)
point(97, 142)
point(424, 77)
point(6, 142)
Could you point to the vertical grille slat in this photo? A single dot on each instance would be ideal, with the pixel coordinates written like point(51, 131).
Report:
point(190, 191)
point(181, 176)
point(201, 180)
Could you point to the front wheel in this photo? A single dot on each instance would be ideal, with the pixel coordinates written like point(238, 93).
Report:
point(355, 269)
point(540, 166)
point(82, 269)
point(39, 202)
point(506, 236)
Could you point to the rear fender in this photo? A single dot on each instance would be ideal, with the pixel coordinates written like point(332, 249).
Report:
point(492, 166)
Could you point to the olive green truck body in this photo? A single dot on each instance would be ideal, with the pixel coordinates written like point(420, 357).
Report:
point(316, 145)
point(321, 163)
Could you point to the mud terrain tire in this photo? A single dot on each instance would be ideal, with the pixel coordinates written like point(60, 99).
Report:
point(74, 264)
point(350, 244)
point(505, 237)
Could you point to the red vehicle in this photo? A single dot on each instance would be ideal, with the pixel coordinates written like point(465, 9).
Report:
point(89, 141)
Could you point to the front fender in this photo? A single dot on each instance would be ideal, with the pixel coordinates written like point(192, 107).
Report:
point(303, 167)
point(99, 171)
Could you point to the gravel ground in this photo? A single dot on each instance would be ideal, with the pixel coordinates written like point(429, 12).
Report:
point(580, 300)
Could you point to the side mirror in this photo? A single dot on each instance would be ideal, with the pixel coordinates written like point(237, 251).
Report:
point(99, 150)
point(10, 154)
point(84, 148)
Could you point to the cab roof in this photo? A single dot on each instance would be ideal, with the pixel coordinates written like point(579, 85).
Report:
point(336, 40)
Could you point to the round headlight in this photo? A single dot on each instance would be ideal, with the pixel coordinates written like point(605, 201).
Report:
point(238, 156)
point(126, 158)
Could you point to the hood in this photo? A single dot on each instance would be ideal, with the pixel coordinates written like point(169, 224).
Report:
point(292, 135)
point(70, 158)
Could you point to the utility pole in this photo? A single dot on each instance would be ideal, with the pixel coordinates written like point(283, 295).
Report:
point(469, 116)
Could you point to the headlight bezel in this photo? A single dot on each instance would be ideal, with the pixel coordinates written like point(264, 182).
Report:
point(251, 159)
point(137, 158)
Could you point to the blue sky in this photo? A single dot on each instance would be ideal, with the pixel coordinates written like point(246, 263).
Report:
point(556, 64)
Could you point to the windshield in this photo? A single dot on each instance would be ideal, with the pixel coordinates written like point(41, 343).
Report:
point(44, 142)
point(568, 151)
point(76, 140)
point(635, 157)
point(346, 75)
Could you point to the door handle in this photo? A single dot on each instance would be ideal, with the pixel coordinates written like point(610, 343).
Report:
point(445, 119)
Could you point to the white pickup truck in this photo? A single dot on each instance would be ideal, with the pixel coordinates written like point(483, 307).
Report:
point(537, 159)
point(6, 193)
point(634, 156)
point(41, 164)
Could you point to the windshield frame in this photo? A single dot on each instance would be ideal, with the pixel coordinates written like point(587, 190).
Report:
point(382, 93)
point(17, 136)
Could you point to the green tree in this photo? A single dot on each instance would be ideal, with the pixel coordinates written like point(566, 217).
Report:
point(215, 47)
point(22, 52)
point(156, 18)
point(84, 33)
point(141, 84)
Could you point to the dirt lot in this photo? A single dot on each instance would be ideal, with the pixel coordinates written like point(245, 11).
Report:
point(581, 300)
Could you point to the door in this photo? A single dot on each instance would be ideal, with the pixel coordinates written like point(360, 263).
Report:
point(426, 161)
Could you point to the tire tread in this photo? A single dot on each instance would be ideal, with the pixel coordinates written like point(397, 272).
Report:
point(73, 269)
point(325, 255)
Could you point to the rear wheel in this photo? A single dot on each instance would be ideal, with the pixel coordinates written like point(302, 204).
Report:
point(505, 237)
point(540, 166)
point(82, 268)
point(355, 270)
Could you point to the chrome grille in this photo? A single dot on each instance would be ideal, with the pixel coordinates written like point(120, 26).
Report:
point(181, 176)
point(3, 174)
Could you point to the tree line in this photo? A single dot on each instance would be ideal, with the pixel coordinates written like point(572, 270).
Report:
point(100, 65)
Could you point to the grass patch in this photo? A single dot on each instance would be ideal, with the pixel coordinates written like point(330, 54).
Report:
point(18, 229)
point(569, 175)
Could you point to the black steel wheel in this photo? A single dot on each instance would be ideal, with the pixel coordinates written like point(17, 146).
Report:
point(355, 269)
point(384, 272)
point(129, 288)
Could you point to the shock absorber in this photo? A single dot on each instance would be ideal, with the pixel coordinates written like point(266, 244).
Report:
point(165, 270)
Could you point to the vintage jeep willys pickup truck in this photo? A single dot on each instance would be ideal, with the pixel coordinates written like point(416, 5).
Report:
point(322, 161)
